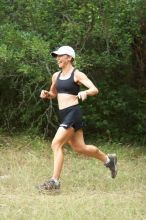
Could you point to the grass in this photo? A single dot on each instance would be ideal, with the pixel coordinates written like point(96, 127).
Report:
point(87, 191)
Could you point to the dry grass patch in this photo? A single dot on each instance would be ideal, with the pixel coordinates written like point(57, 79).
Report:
point(87, 191)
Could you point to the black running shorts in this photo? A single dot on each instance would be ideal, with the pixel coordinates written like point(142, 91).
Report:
point(71, 117)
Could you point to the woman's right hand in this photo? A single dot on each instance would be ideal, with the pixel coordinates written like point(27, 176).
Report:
point(44, 94)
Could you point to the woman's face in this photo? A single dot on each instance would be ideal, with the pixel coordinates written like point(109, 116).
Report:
point(63, 60)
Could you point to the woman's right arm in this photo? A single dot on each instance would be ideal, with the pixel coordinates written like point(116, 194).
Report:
point(52, 93)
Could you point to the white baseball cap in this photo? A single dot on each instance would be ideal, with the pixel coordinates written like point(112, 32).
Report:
point(64, 50)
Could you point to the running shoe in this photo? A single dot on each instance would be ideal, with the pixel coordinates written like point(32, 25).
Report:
point(49, 186)
point(112, 165)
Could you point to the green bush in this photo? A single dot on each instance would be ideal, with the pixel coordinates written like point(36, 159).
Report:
point(109, 37)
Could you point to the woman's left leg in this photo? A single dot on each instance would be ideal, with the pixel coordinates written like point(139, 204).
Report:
point(78, 144)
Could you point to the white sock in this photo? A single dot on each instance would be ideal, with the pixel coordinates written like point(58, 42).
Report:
point(107, 160)
point(55, 180)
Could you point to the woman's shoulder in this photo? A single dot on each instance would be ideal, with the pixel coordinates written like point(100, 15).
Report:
point(55, 75)
point(79, 74)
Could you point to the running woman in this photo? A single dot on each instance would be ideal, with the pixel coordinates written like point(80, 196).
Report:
point(66, 88)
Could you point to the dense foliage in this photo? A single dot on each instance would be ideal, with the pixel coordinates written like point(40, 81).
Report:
point(110, 40)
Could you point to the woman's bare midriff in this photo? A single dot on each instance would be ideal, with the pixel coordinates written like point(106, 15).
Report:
point(66, 100)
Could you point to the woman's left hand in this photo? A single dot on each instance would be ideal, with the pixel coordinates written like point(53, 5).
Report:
point(82, 95)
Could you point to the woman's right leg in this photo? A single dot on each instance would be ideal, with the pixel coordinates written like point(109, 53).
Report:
point(62, 136)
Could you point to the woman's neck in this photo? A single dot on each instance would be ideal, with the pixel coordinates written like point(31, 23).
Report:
point(67, 69)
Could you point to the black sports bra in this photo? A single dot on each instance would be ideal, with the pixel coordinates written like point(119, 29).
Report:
point(67, 85)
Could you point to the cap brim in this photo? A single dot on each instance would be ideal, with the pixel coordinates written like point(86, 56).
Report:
point(54, 54)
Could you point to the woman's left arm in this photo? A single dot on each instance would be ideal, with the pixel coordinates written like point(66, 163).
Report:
point(84, 80)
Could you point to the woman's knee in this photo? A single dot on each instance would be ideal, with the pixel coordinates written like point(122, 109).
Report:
point(55, 145)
